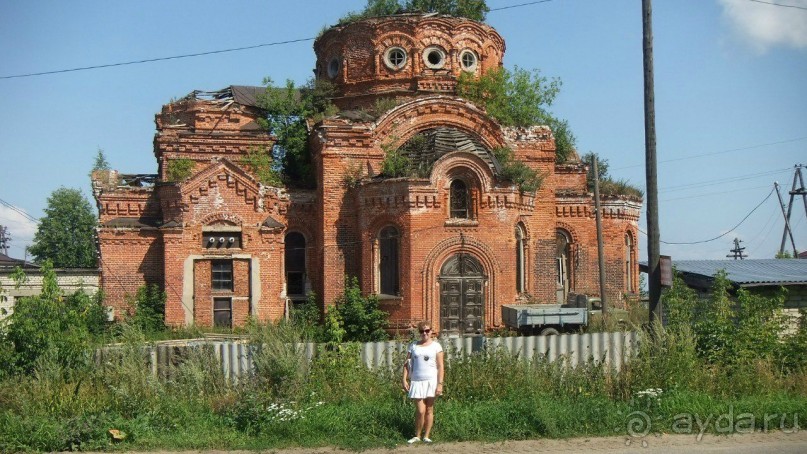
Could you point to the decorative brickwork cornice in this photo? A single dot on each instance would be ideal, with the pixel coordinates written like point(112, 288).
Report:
point(507, 199)
point(127, 202)
point(227, 173)
point(461, 243)
point(574, 211)
point(404, 121)
point(621, 209)
point(405, 201)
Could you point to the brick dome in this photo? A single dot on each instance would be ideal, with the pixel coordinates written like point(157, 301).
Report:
point(403, 55)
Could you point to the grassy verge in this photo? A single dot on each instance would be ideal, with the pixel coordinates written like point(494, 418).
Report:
point(335, 401)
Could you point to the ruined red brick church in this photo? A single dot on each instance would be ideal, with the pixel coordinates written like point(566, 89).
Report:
point(451, 246)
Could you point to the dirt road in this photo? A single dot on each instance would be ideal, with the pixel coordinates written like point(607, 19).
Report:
point(757, 443)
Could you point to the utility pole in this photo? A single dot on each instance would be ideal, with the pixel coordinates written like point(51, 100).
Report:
point(653, 236)
point(788, 230)
point(737, 252)
point(4, 239)
point(793, 193)
point(598, 217)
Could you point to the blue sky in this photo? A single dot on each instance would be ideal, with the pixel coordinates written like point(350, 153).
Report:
point(731, 94)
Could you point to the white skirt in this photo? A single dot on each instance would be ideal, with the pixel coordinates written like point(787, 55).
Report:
point(421, 389)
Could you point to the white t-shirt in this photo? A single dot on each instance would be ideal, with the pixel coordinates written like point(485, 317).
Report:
point(424, 360)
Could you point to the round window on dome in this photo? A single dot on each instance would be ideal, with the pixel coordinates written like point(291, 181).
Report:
point(468, 60)
point(434, 57)
point(395, 58)
point(334, 66)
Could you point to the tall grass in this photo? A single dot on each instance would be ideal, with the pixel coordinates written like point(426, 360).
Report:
point(335, 400)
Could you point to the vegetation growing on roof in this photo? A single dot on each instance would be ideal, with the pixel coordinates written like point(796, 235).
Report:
point(397, 163)
point(288, 109)
point(179, 169)
point(526, 178)
point(519, 98)
point(469, 9)
point(259, 162)
point(608, 185)
point(100, 163)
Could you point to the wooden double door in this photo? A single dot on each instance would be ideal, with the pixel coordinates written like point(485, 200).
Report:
point(462, 295)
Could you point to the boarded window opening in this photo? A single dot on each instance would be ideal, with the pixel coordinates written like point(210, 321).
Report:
point(459, 200)
point(389, 259)
point(223, 312)
point(295, 264)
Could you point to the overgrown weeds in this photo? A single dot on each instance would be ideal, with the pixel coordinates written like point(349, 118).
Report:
point(334, 399)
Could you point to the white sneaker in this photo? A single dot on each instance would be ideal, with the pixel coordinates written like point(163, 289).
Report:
point(414, 440)
point(427, 440)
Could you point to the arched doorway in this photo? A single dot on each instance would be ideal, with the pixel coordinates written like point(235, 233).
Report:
point(462, 295)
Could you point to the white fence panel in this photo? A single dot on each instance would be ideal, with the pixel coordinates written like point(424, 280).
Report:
point(236, 357)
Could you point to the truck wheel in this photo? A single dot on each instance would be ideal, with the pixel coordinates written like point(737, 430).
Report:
point(549, 332)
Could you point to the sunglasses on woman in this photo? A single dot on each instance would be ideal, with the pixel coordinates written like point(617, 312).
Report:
point(423, 331)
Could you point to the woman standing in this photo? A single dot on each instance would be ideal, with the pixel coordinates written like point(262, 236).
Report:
point(423, 379)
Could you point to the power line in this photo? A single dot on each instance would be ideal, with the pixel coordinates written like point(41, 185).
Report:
point(519, 5)
point(715, 193)
point(750, 147)
point(779, 4)
point(700, 184)
point(19, 211)
point(200, 54)
point(724, 234)
point(149, 60)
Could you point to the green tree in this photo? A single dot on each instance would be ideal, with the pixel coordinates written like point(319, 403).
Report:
point(100, 162)
point(66, 234)
point(519, 98)
point(287, 110)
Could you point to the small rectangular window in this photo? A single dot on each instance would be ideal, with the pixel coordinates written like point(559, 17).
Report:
point(222, 312)
point(222, 275)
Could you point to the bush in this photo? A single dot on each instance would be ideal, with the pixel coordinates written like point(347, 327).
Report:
point(361, 318)
point(470, 9)
point(149, 305)
point(179, 169)
point(260, 163)
point(53, 324)
point(526, 178)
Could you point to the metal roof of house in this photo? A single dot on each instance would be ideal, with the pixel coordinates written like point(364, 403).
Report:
point(749, 273)
point(8, 262)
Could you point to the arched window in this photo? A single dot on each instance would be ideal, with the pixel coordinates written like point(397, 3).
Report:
point(389, 282)
point(563, 262)
point(295, 264)
point(459, 200)
point(521, 236)
point(629, 254)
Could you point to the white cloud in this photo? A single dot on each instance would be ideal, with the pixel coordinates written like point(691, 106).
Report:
point(764, 26)
point(20, 229)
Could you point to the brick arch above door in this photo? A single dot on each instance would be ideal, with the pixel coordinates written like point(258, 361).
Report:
point(437, 257)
